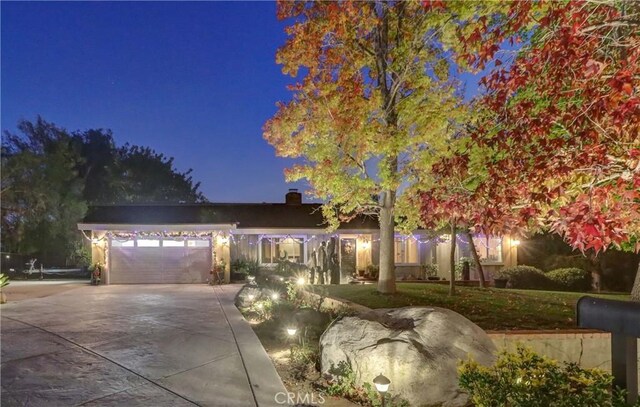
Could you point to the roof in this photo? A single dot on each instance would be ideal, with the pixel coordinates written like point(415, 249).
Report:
point(245, 215)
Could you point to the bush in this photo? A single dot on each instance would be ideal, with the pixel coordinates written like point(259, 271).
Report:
point(525, 379)
point(572, 279)
point(526, 277)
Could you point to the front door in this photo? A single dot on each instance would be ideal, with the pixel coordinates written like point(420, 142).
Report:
point(347, 259)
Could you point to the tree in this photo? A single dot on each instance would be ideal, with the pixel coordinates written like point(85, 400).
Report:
point(563, 136)
point(373, 108)
point(41, 192)
point(50, 176)
point(145, 176)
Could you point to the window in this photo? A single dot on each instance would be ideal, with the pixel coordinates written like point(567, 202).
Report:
point(489, 248)
point(197, 243)
point(406, 250)
point(148, 243)
point(122, 243)
point(274, 248)
point(173, 243)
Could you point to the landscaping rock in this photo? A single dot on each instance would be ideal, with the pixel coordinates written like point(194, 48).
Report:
point(417, 348)
point(248, 295)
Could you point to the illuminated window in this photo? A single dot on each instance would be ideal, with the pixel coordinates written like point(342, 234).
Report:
point(489, 248)
point(406, 250)
point(274, 248)
point(148, 243)
point(173, 243)
point(122, 243)
point(197, 243)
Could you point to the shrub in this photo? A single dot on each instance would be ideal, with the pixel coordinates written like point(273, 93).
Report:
point(526, 277)
point(525, 379)
point(572, 279)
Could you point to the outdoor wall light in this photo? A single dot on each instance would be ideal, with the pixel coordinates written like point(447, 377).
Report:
point(292, 331)
point(300, 281)
point(515, 242)
point(382, 383)
point(95, 241)
point(365, 244)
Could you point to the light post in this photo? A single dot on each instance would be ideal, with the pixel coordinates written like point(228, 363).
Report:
point(382, 385)
point(291, 331)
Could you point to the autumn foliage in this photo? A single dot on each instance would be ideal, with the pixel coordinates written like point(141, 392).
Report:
point(558, 147)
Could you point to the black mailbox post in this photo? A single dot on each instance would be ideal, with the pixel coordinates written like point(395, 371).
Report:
point(622, 319)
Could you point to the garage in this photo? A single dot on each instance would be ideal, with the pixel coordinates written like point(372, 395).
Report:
point(159, 260)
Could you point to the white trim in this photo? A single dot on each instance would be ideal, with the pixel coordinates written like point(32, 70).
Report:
point(294, 231)
point(117, 227)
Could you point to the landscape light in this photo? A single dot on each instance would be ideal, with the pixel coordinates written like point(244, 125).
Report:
point(7, 256)
point(382, 383)
point(275, 296)
point(291, 331)
point(251, 279)
point(281, 278)
point(259, 305)
point(251, 297)
point(300, 281)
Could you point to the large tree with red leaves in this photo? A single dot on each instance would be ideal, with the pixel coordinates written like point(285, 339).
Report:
point(559, 147)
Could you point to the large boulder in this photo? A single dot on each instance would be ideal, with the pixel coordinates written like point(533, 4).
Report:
point(417, 348)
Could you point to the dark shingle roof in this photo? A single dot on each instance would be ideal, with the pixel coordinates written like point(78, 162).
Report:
point(245, 215)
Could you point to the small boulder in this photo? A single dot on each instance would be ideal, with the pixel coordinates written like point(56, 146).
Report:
point(249, 294)
point(417, 348)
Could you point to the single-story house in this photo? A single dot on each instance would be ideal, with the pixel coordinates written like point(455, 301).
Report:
point(182, 243)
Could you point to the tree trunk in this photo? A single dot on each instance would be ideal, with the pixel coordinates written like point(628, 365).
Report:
point(635, 291)
point(387, 275)
point(452, 260)
point(476, 259)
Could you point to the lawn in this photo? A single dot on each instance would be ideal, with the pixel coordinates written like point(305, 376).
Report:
point(491, 309)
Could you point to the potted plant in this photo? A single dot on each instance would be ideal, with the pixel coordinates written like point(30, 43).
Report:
point(4, 281)
point(96, 273)
point(500, 279)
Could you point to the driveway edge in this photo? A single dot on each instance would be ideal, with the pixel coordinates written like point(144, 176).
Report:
point(263, 377)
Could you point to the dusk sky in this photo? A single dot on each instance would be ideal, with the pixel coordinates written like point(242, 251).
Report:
point(193, 80)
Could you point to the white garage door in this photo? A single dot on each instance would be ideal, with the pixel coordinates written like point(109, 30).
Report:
point(149, 261)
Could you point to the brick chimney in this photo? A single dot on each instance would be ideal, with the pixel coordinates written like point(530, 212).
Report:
point(293, 197)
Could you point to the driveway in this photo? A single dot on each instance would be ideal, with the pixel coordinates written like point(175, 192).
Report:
point(147, 345)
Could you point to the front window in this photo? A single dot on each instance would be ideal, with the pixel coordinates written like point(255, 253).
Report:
point(281, 248)
point(406, 250)
point(489, 248)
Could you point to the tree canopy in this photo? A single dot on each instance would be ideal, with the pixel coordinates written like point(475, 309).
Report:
point(374, 105)
point(50, 176)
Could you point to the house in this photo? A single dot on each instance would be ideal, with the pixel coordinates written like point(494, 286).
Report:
point(181, 243)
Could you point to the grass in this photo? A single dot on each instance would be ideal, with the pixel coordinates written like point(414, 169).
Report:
point(491, 309)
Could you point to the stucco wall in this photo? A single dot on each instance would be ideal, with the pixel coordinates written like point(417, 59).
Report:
point(587, 348)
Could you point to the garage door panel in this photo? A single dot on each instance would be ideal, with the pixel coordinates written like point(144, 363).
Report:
point(149, 265)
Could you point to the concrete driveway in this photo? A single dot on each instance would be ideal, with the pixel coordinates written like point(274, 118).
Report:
point(146, 345)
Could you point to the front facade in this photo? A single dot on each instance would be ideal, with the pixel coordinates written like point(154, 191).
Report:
point(182, 243)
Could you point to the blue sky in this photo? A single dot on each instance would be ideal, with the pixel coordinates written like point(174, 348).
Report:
point(193, 80)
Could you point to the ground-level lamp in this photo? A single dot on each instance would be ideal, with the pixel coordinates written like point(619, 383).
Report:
point(291, 331)
point(300, 281)
point(382, 385)
point(275, 296)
